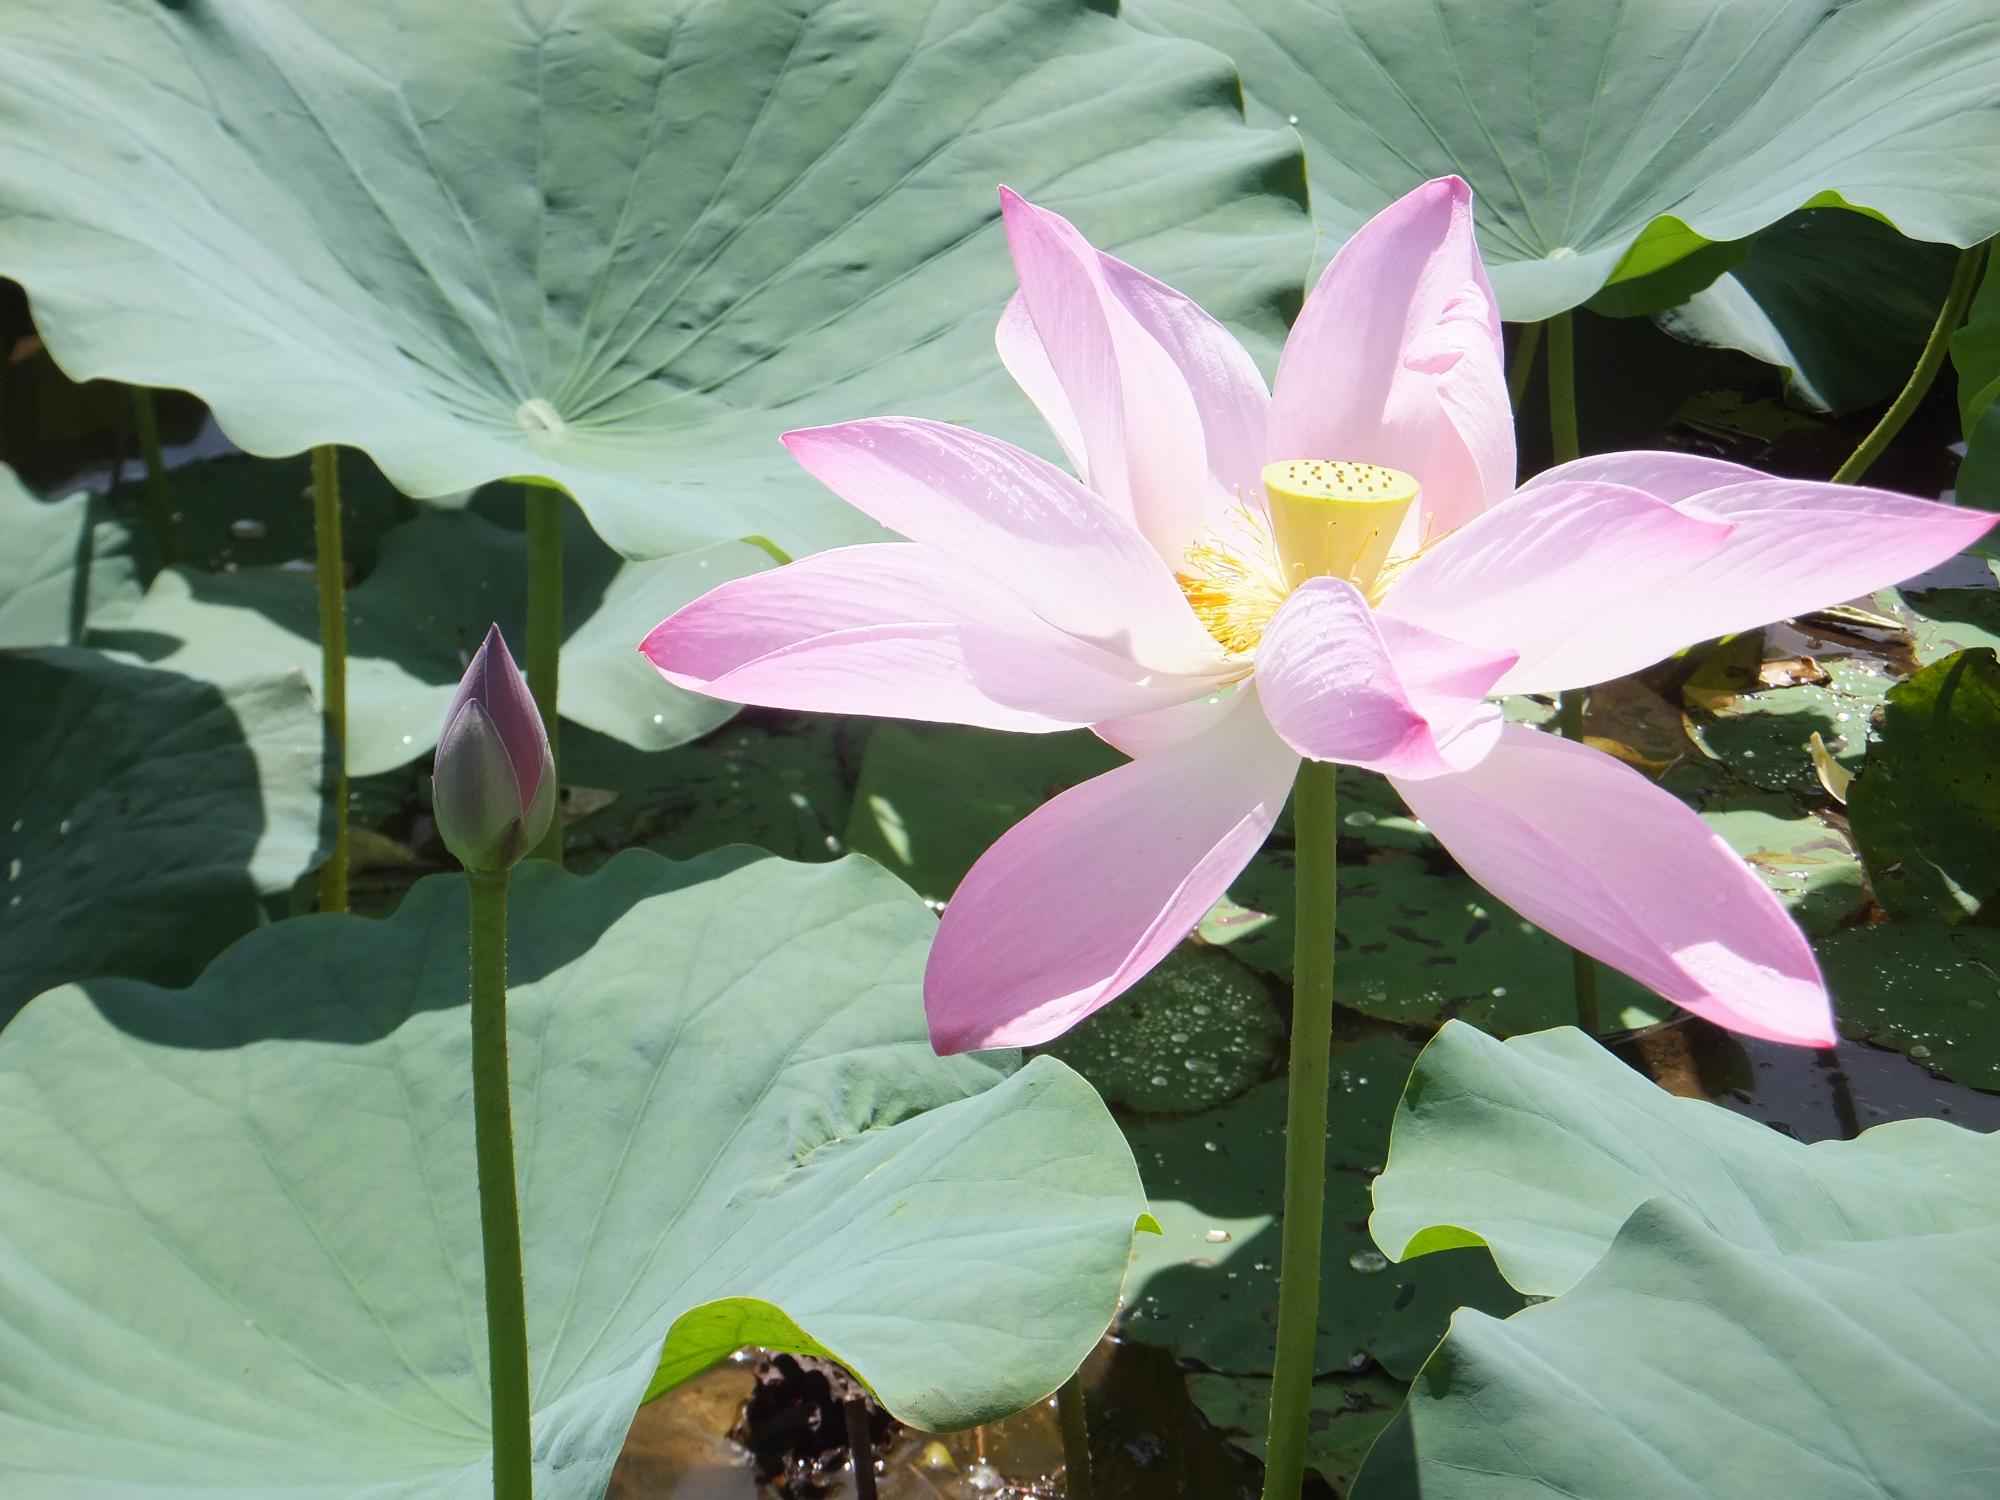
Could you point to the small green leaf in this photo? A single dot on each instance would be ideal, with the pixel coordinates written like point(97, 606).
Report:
point(1926, 806)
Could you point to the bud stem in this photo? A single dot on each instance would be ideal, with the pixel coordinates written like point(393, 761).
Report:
point(499, 1206)
point(545, 629)
point(159, 498)
point(330, 572)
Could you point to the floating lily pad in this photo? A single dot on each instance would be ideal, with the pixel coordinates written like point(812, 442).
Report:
point(1419, 942)
point(1943, 620)
point(1346, 1416)
point(1925, 987)
point(774, 780)
point(1194, 1033)
point(1805, 859)
point(1206, 1288)
point(1750, 1315)
point(246, 1232)
point(1926, 808)
point(616, 246)
point(144, 816)
point(65, 564)
point(414, 621)
point(1763, 736)
point(1608, 141)
point(1840, 302)
point(932, 799)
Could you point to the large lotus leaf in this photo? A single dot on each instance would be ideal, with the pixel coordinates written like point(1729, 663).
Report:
point(619, 244)
point(144, 815)
point(63, 565)
point(1206, 1288)
point(1608, 141)
point(1839, 301)
point(1684, 1365)
point(242, 1252)
point(1926, 987)
point(414, 622)
point(1542, 1146)
point(1747, 1315)
point(1926, 807)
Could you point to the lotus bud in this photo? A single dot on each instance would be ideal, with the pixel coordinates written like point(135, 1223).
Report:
point(494, 788)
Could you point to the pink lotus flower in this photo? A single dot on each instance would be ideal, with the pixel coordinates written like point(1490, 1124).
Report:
point(1341, 569)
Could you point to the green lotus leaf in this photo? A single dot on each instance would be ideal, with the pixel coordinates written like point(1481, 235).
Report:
point(414, 622)
point(616, 244)
point(1975, 350)
point(774, 780)
point(1927, 987)
point(1747, 1315)
point(1206, 1287)
point(932, 798)
point(1926, 807)
point(1419, 942)
point(64, 565)
point(1947, 619)
point(1541, 1147)
point(242, 1253)
point(1849, 1370)
point(1198, 1030)
point(1804, 858)
point(1607, 142)
point(1840, 302)
point(144, 816)
point(1763, 735)
point(1346, 1416)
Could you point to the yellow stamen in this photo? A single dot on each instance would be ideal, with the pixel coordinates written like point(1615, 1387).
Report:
point(1232, 581)
point(1333, 519)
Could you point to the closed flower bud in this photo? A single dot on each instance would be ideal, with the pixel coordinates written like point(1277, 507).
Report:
point(494, 787)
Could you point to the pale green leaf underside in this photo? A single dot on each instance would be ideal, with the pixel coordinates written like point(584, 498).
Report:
point(619, 244)
point(1740, 1315)
point(242, 1253)
point(1607, 139)
point(1542, 1146)
point(1684, 1367)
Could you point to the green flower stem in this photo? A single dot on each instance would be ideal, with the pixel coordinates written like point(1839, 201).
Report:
point(499, 1208)
point(1565, 445)
point(1522, 365)
point(1304, 1226)
point(545, 629)
point(1963, 280)
point(1075, 1420)
point(159, 498)
point(330, 569)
